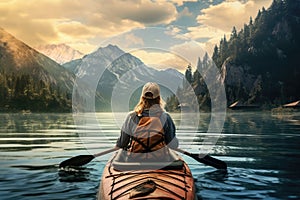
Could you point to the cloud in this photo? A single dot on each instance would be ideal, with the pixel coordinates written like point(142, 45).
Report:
point(203, 31)
point(178, 2)
point(144, 12)
point(74, 29)
point(189, 51)
point(38, 22)
point(161, 59)
point(185, 13)
point(210, 35)
point(125, 41)
point(231, 13)
point(176, 32)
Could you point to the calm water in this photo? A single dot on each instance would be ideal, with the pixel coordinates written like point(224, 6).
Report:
point(262, 152)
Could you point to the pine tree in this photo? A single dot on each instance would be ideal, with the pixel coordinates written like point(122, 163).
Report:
point(215, 56)
point(206, 61)
point(223, 49)
point(233, 33)
point(188, 74)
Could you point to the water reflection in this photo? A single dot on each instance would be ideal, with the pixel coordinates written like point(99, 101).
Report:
point(24, 123)
point(79, 174)
point(217, 175)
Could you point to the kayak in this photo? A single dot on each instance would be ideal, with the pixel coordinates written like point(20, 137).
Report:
point(146, 180)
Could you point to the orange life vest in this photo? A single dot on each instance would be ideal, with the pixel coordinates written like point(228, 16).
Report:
point(148, 141)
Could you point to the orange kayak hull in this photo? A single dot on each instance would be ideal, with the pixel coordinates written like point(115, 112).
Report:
point(141, 183)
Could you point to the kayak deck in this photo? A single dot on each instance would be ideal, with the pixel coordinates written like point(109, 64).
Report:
point(146, 180)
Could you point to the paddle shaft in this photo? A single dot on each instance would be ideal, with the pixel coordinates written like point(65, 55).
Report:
point(205, 159)
point(106, 152)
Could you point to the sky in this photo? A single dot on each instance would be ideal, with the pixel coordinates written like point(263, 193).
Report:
point(161, 32)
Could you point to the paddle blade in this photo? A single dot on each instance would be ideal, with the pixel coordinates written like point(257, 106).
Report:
point(211, 161)
point(77, 161)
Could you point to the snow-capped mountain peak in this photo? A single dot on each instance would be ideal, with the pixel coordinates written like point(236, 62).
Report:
point(61, 53)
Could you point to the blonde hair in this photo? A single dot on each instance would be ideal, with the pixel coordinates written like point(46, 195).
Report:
point(148, 103)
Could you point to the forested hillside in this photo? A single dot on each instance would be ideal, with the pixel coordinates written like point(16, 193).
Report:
point(22, 92)
point(267, 48)
point(31, 81)
point(259, 64)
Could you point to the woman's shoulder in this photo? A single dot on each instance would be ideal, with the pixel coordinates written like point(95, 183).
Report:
point(131, 114)
point(131, 117)
point(166, 113)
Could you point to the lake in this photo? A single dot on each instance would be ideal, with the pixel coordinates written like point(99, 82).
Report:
point(262, 151)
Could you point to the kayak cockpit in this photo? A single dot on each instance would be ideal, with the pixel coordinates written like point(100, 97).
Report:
point(121, 163)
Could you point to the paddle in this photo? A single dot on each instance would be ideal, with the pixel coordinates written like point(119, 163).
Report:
point(83, 159)
point(206, 159)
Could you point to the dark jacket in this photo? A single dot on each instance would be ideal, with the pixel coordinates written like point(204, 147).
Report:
point(131, 122)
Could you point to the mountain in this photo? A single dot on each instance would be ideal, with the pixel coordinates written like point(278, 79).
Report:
point(174, 72)
point(61, 53)
point(29, 80)
point(259, 65)
point(115, 72)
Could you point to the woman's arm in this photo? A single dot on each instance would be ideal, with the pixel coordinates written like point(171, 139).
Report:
point(124, 138)
point(170, 132)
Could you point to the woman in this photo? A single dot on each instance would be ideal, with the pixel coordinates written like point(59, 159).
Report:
point(148, 130)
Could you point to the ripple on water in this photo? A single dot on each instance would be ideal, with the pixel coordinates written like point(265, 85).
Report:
point(237, 183)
